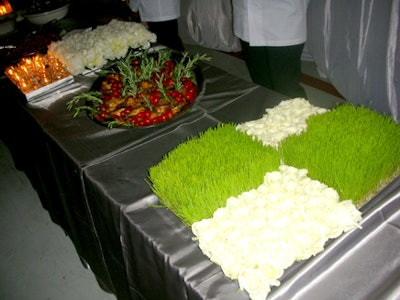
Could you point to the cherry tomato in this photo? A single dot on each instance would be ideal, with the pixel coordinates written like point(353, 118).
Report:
point(169, 63)
point(147, 114)
point(146, 122)
point(169, 113)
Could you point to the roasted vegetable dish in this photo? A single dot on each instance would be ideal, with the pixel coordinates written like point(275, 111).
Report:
point(142, 90)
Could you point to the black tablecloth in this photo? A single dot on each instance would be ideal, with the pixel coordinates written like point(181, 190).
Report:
point(92, 182)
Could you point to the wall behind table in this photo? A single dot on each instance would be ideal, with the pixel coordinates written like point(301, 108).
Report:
point(356, 44)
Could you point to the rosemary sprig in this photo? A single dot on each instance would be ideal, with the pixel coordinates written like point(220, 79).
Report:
point(129, 76)
point(89, 109)
point(192, 62)
point(162, 88)
point(184, 68)
point(116, 123)
point(92, 96)
point(179, 73)
point(148, 103)
point(148, 65)
point(163, 56)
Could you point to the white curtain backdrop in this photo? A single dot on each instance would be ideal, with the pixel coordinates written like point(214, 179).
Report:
point(208, 23)
point(356, 44)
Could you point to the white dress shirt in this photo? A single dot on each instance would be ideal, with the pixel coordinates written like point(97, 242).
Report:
point(270, 22)
point(156, 10)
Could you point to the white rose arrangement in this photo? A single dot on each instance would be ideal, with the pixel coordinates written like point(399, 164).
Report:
point(262, 232)
point(287, 118)
point(93, 48)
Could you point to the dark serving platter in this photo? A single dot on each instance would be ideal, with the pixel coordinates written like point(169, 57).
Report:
point(143, 89)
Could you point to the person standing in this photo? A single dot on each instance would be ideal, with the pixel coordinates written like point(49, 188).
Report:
point(272, 35)
point(161, 17)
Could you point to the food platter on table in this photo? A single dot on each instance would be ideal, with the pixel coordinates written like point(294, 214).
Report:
point(143, 90)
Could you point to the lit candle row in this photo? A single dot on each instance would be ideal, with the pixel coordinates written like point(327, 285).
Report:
point(5, 8)
point(32, 73)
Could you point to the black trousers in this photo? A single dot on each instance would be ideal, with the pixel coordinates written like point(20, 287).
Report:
point(276, 68)
point(167, 34)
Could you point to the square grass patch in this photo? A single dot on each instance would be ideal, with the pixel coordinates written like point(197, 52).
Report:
point(198, 176)
point(352, 149)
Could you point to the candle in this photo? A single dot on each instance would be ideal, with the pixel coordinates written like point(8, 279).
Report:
point(35, 72)
point(5, 8)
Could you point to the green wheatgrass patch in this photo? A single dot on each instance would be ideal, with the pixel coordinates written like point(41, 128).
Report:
point(352, 149)
point(198, 176)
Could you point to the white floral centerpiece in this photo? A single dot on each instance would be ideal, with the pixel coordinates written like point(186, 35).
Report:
point(262, 232)
point(91, 49)
point(288, 218)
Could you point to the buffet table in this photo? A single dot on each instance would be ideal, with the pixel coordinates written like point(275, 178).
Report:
point(92, 180)
point(163, 261)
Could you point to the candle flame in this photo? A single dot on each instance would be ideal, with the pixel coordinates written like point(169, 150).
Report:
point(35, 72)
point(5, 8)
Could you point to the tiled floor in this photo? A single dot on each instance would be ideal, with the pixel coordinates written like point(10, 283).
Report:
point(37, 260)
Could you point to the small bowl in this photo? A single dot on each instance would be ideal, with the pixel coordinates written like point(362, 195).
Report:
point(48, 16)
